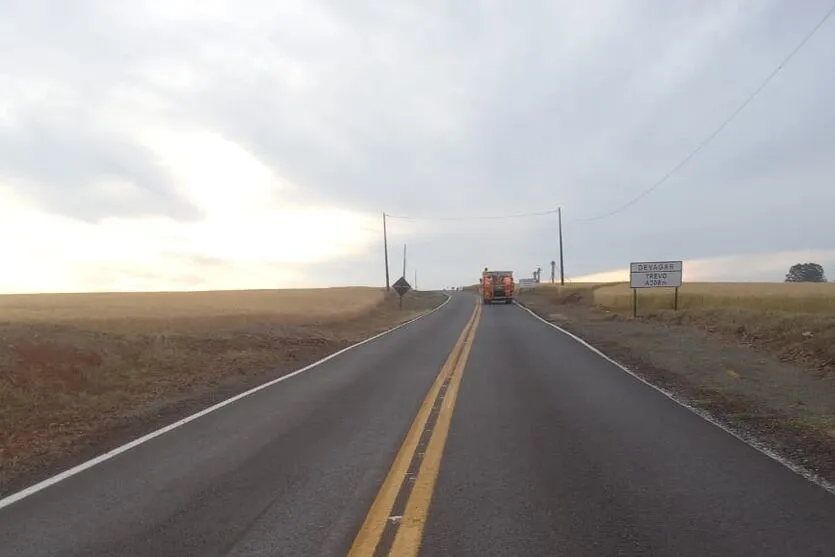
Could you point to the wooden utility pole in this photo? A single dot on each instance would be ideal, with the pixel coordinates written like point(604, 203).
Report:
point(562, 266)
point(386, 250)
point(404, 261)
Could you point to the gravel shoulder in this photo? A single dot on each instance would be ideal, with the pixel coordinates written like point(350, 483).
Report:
point(782, 399)
point(68, 394)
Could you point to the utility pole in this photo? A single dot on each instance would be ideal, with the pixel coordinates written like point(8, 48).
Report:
point(415, 284)
point(386, 250)
point(562, 266)
point(404, 261)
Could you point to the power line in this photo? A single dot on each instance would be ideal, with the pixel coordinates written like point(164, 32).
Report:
point(478, 217)
point(724, 124)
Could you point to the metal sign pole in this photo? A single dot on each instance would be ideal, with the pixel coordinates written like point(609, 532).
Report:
point(634, 303)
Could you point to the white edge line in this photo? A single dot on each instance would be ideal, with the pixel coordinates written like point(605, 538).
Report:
point(40, 486)
point(749, 440)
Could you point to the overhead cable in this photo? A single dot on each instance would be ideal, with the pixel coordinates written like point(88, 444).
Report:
point(476, 217)
point(724, 124)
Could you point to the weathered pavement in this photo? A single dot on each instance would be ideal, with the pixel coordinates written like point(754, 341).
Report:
point(555, 451)
point(551, 450)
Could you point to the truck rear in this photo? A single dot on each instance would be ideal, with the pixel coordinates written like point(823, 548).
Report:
point(497, 286)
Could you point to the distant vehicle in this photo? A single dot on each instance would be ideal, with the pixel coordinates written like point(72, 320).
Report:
point(496, 286)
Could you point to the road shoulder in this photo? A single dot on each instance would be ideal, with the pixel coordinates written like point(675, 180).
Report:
point(785, 407)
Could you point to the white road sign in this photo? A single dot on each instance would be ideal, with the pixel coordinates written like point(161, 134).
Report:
point(527, 283)
point(655, 274)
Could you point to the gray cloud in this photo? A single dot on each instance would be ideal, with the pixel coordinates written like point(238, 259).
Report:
point(442, 109)
point(66, 166)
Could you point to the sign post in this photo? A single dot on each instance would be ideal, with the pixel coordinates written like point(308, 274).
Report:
point(402, 286)
point(654, 274)
point(634, 303)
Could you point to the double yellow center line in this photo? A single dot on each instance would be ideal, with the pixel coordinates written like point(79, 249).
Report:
point(421, 450)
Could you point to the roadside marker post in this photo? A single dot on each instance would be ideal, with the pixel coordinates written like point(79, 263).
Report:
point(654, 274)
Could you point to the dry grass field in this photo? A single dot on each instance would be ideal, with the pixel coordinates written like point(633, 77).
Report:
point(785, 297)
point(77, 369)
point(571, 285)
point(756, 296)
point(188, 311)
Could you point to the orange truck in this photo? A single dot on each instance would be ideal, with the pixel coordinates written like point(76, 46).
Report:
point(497, 286)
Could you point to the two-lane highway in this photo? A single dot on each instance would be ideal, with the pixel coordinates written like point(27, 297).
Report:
point(471, 432)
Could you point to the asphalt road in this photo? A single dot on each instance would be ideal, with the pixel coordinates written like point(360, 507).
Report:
point(550, 450)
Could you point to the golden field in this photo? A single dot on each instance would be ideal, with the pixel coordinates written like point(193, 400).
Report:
point(571, 285)
point(790, 297)
point(179, 311)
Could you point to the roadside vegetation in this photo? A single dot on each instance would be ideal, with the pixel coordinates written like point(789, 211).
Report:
point(139, 312)
point(802, 297)
point(82, 372)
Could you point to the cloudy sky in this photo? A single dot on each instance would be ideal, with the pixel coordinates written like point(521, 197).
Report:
point(175, 144)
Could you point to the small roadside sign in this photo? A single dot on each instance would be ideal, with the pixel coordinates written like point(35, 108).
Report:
point(654, 274)
point(527, 283)
point(402, 286)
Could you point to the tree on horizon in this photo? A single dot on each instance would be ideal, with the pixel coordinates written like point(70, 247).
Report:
point(806, 272)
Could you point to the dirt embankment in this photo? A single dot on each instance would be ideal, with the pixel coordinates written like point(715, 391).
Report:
point(69, 392)
point(769, 376)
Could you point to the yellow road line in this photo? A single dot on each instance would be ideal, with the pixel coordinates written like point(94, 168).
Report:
point(410, 533)
point(368, 538)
